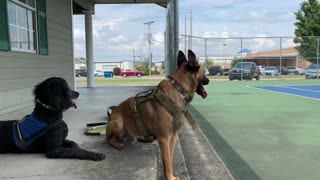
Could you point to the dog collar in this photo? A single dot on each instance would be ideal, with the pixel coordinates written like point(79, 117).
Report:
point(184, 93)
point(45, 105)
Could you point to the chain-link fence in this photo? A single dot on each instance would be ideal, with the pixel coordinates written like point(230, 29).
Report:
point(275, 57)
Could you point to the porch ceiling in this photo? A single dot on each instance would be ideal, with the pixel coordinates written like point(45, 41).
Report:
point(162, 3)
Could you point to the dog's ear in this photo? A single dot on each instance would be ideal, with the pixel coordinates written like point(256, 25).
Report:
point(193, 64)
point(181, 58)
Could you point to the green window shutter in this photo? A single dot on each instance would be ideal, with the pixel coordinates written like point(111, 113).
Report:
point(4, 30)
point(42, 27)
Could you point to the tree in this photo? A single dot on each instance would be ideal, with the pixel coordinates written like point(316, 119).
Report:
point(144, 68)
point(208, 63)
point(307, 28)
point(235, 61)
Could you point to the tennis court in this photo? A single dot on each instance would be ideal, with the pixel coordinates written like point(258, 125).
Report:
point(263, 129)
point(308, 91)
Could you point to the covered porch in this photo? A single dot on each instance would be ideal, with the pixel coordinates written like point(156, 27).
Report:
point(138, 161)
point(87, 8)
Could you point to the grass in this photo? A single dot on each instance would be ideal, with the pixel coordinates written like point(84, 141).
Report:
point(260, 134)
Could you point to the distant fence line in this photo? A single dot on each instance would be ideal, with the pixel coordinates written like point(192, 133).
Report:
point(254, 48)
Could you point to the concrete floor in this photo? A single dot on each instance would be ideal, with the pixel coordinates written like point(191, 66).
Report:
point(194, 158)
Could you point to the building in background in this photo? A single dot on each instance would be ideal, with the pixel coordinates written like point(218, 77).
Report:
point(108, 66)
point(79, 63)
point(287, 57)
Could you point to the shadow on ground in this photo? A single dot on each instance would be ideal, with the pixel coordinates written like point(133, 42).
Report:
point(235, 164)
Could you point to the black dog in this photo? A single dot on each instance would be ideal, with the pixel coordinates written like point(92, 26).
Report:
point(44, 131)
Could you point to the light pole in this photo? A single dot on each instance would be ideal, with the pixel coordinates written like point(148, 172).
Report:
point(225, 55)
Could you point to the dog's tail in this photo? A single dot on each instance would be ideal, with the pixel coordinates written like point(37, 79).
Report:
point(110, 109)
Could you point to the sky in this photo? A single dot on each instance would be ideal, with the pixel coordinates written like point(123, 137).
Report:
point(119, 31)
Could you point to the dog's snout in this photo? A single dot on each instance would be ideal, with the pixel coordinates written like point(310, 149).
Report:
point(75, 94)
point(205, 80)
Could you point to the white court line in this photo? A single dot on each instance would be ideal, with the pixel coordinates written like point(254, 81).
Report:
point(297, 89)
point(283, 93)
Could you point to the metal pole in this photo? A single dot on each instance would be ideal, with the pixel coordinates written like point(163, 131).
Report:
point(241, 60)
point(185, 33)
point(134, 63)
point(190, 29)
point(225, 58)
point(205, 54)
point(280, 56)
point(318, 57)
point(149, 40)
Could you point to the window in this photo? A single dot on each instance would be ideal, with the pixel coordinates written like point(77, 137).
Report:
point(22, 25)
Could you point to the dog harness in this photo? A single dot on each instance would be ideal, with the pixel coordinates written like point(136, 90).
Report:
point(27, 130)
point(157, 94)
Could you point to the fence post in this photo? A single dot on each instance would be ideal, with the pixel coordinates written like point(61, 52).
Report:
point(318, 57)
point(280, 57)
point(205, 53)
point(241, 60)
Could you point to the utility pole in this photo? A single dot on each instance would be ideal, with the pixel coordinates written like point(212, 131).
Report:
point(134, 63)
point(149, 40)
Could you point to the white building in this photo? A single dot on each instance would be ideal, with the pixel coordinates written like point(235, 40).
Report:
point(108, 66)
point(79, 64)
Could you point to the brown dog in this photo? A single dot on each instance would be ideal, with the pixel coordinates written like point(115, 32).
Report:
point(160, 114)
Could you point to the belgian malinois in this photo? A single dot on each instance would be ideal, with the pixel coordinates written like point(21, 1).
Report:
point(159, 112)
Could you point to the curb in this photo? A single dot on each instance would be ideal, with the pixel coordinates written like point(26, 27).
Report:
point(201, 160)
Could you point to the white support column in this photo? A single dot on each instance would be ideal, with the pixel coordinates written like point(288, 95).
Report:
point(89, 48)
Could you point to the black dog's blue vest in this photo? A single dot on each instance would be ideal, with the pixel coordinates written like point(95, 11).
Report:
point(26, 131)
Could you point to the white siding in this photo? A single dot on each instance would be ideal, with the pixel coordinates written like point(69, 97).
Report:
point(20, 72)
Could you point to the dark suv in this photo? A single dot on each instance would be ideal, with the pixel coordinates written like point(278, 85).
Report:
point(215, 70)
point(80, 72)
point(248, 70)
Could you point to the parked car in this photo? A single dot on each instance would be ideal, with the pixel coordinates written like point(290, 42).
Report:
point(215, 70)
point(284, 70)
point(206, 72)
point(129, 72)
point(313, 71)
point(98, 73)
point(295, 70)
point(247, 70)
point(80, 72)
point(261, 69)
point(271, 70)
point(226, 71)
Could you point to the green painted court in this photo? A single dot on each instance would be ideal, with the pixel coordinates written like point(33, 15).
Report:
point(262, 134)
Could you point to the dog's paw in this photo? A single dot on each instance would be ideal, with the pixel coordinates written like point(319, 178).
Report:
point(97, 157)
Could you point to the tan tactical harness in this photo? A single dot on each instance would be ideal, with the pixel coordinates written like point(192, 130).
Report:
point(157, 94)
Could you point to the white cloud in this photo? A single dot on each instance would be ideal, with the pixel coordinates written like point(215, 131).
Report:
point(78, 35)
point(288, 43)
point(118, 38)
point(210, 34)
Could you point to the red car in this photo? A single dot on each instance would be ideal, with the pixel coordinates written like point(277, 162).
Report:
point(129, 72)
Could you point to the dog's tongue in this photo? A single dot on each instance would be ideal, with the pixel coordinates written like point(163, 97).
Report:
point(74, 105)
point(204, 94)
